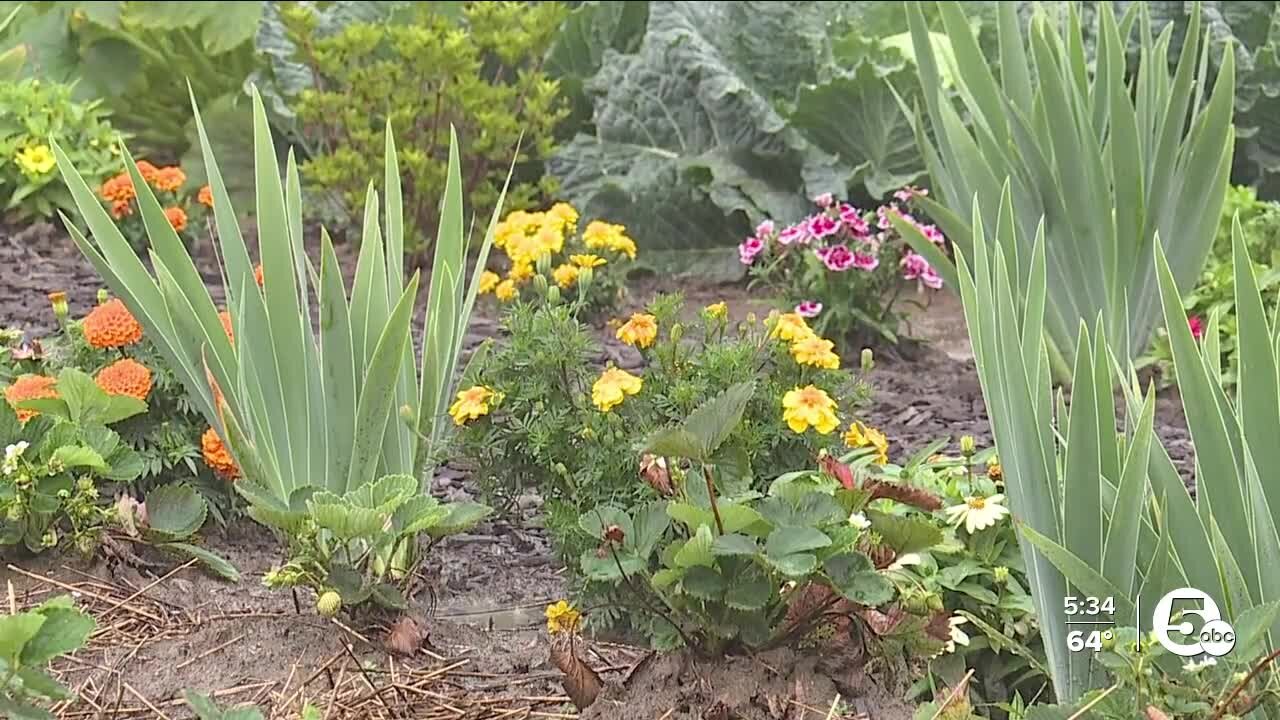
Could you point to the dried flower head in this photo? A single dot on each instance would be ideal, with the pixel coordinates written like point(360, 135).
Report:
point(653, 468)
point(125, 377)
point(111, 325)
point(30, 387)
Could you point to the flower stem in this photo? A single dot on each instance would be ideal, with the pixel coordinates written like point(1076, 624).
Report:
point(711, 493)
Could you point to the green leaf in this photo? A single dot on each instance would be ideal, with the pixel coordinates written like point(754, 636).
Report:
point(703, 583)
point(462, 517)
point(14, 710)
point(749, 592)
point(735, 544)
point(905, 534)
point(791, 540)
point(344, 521)
point(76, 457)
point(651, 523)
point(675, 443)
point(389, 596)
point(175, 511)
point(596, 521)
point(215, 563)
point(715, 420)
point(696, 551)
point(385, 494)
point(1251, 628)
point(15, 632)
point(855, 577)
point(419, 514)
point(798, 565)
point(119, 407)
point(36, 681)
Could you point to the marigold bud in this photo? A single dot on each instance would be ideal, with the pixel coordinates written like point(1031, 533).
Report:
point(553, 295)
point(103, 296)
point(328, 604)
point(868, 360)
point(967, 445)
point(59, 302)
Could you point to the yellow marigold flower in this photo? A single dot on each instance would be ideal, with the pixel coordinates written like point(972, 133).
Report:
point(640, 331)
point(205, 196)
point(169, 179)
point(35, 160)
point(125, 377)
point(809, 406)
point(520, 272)
point(565, 275)
point(30, 387)
point(488, 281)
point(717, 311)
point(562, 617)
point(815, 351)
point(859, 436)
point(505, 291)
point(177, 217)
point(625, 245)
point(550, 239)
point(472, 403)
point(566, 214)
point(790, 327)
point(217, 457)
point(587, 261)
point(612, 387)
point(111, 325)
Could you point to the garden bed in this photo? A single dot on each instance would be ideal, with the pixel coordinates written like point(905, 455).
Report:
point(165, 627)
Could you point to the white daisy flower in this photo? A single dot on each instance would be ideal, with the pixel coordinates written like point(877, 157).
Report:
point(978, 513)
point(958, 636)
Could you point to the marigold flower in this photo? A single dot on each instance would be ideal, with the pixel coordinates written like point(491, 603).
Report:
point(606, 236)
point(612, 387)
point(790, 327)
point(121, 209)
point(35, 160)
point(488, 281)
point(125, 377)
point(562, 617)
point(587, 261)
point(809, 406)
point(859, 436)
point(640, 331)
point(520, 272)
point(148, 171)
point(995, 471)
point(30, 387)
point(505, 291)
point(169, 179)
point(225, 317)
point(177, 217)
point(205, 196)
point(978, 513)
point(565, 275)
point(816, 351)
point(472, 403)
point(717, 311)
point(566, 214)
point(217, 457)
point(111, 325)
point(118, 189)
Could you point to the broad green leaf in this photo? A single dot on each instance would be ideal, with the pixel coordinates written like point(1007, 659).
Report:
point(419, 514)
point(175, 511)
point(749, 592)
point(697, 550)
point(703, 583)
point(76, 457)
point(798, 565)
point(15, 632)
point(905, 534)
point(735, 544)
point(596, 521)
point(651, 523)
point(854, 576)
point(384, 494)
point(37, 681)
point(64, 629)
point(462, 517)
point(347, 522)
point(216, 564)
point(675, 443)
point(790, 540)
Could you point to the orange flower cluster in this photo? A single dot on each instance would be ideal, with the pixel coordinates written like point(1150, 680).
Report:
point(111, 325)
point(30, 387)
point(169, 179)
point(125, 377)
point(205, 196)
point(217, 457)
point(177, 217)
point(120, 192)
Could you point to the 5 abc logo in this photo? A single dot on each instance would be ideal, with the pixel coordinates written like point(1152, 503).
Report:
point(1215, 638)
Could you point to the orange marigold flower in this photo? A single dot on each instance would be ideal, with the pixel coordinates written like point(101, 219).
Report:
point(169, 179)
point(257, 274)
point(121, 209)
point(111, 325)
point(217, 457)
point(30, 387)
point(125, 377)
point(225, 317)
point(148, 171)
point(118, 189)
point(177, 217)
point(205, 196)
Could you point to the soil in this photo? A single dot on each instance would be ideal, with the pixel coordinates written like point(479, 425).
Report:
point(485, 655)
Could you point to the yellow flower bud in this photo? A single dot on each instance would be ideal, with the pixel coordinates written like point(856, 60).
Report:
point(967, 445)
point(868, 360)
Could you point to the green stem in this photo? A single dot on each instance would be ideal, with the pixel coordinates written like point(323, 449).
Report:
point(711, 493)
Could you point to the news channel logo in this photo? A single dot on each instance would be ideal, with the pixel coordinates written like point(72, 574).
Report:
point(1215, 637)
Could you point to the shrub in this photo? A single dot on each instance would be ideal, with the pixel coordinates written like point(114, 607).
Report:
point(547, 248)
point(183, 209)
point(421, 77)
point(1210, 305)
point(1102, 171)
point(318, 446)
point(841, 268)
point(31, 112)
point(31, 640)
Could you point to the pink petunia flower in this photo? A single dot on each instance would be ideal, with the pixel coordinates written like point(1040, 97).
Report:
point(765, 230)
point(823, 225)
point(908, 192)
point(1197, 327)
point(865, 261)
point(934, 235)
point(915, 267)
point(798, 233)
point(749, 249)
point(853, 222)
point(837, 257)
point(882, 216)
point(809, 309)
point(824, 200)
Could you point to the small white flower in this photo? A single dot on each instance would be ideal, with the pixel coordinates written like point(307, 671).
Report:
point(14, 451)
point(859, 521)
point(958, 636)
point(905, 560)
point(1192, 667)
point(978, 513)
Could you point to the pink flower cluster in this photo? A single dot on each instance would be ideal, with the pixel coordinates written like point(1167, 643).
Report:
point(841, 237)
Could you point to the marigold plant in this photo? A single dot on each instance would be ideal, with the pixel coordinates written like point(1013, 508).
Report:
point(125, 377)
point(111, 325)
point(170, 185)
